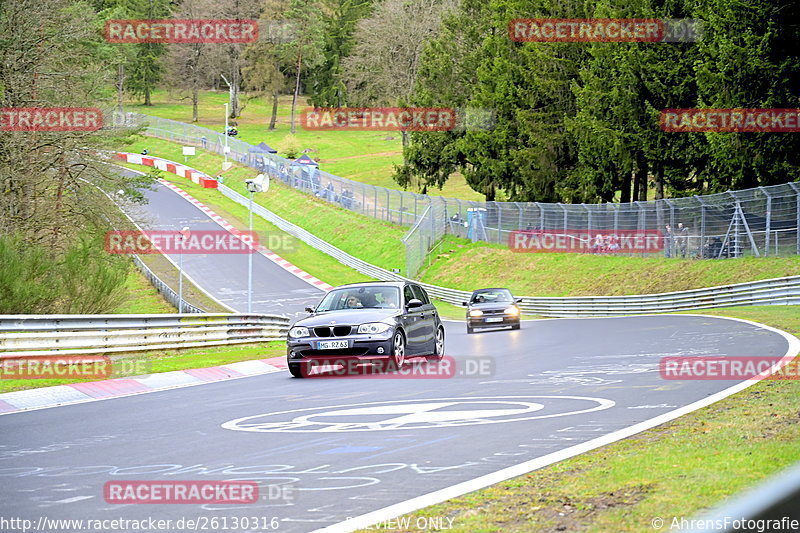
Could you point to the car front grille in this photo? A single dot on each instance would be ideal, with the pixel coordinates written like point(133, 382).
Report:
point(336, 331)
point(332, 354)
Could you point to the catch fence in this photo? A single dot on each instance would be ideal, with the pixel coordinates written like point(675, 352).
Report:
point(763, 221)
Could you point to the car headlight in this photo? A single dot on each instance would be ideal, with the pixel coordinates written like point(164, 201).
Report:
point(512, 311)
point(373, 327)
point(476, 312)
point(298, 331)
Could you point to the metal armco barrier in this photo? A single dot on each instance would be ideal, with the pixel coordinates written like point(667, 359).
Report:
point(43, 335)
point(775, 502)
point(778, 291)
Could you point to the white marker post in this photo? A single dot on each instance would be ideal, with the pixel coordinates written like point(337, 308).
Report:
point(187, 151)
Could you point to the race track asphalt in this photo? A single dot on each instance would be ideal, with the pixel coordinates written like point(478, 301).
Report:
point(349, 446)
point(342, 447)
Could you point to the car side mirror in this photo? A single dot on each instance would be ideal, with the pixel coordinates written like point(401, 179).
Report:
point(464, 304)
point(518, 300)
point(414, 303)
point(309, 309)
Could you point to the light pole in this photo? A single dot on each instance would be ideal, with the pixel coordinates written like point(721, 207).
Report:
point(259, 184)
point(184, 235)
point(226, 133)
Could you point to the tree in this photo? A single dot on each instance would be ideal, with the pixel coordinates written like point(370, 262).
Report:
point(749, 58)
point(447, 77)
point(339, 17)
point(304, 52)
point(144, 70)
point(189, 65)
point(52, 212)
point(383, 67)
point(263, 74)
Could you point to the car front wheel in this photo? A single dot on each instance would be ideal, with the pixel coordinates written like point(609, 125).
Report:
point(296, 370)
point(398, 350)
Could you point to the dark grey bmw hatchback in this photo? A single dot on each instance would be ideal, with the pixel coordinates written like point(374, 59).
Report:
point(381, 323)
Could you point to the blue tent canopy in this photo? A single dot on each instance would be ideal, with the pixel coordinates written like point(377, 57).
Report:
point(305, 160)
point(263, 148)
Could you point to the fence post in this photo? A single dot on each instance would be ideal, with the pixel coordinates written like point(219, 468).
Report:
point(702, 224)
point(541, 215)
point(768, 222)
point(796, 189)
point(499, 222)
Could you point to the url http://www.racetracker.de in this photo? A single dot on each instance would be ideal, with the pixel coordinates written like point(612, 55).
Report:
point(144, 525)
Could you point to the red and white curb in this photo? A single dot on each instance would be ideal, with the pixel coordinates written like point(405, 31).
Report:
point(269, 254)
point(44, 397)
point(200, 178)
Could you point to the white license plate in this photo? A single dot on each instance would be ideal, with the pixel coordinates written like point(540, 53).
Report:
point(331, 345)
point(494, 319)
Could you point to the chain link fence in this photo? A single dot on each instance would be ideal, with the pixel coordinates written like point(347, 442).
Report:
point(755, 222)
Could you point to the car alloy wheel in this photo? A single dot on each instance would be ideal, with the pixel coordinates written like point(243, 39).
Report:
point(438, 349)
point(398, 350)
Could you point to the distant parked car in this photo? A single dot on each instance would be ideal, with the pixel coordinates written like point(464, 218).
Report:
point(373, 323)
point(491, 308)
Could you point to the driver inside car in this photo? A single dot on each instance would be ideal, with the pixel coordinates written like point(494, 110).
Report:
point(353, 302)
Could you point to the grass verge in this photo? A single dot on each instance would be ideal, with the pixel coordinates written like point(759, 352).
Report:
point(142, 297)
point(675, 470)
point(459, 264)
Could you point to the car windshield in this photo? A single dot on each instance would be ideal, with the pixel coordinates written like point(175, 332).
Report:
point(491, 295)
point(375, 297)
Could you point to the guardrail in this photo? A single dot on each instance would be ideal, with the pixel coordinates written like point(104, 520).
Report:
point(776, 503)
point(44, 335)
point(165, 290)
point(778, 291)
